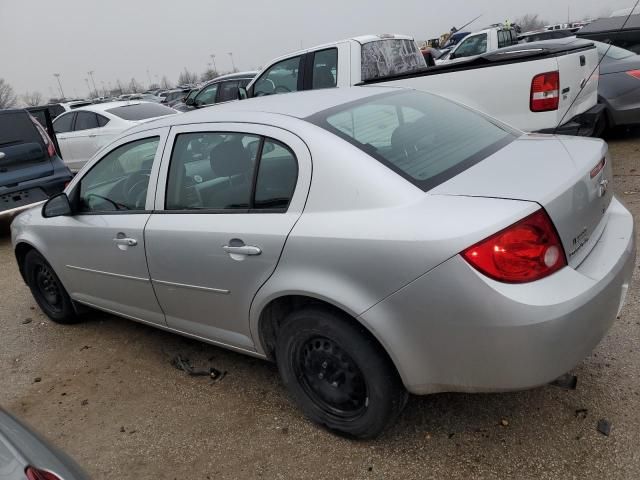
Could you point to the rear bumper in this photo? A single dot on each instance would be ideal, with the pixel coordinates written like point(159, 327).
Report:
point(456, 330)
point(584, 125)
point(33, 192)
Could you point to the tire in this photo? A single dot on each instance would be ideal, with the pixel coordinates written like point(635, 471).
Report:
point(337, 373)
point(47, 289)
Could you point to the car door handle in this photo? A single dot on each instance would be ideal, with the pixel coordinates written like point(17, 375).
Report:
point(127, 242)
point(242, 250)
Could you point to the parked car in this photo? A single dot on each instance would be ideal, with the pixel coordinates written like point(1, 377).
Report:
point(30, 168)
point(174, 95)
point(619, 87)
point(25, 455)
point(86, 130)
point(56, 109)
point(181, 105)
point(482, 42)
point(533, 87)
point(221, 89)
point(610, 30)
point(427, 252)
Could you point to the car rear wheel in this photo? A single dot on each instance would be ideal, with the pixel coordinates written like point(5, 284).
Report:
point(337, 374)
point(47, 289)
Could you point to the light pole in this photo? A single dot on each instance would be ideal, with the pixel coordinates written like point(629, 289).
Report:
point(57, 75)
point(213, 60)
point(95, 89)
point(232, 63)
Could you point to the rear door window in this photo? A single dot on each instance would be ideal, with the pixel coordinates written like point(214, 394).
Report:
point(102, 121)
point(283, 77)
point(86, 121)
point(228, 91)
point(63, 123)
point(325, 68)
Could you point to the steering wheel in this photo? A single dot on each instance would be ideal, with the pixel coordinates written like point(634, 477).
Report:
point(135, 189)
point(281, 89)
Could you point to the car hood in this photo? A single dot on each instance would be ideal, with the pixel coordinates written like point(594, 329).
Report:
point(624, 65)
point(556, 173)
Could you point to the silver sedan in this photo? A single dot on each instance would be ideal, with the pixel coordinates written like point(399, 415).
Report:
point(371, 241)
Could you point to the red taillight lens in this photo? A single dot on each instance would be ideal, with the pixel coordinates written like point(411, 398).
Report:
point(634, 73)
point(545, 92)
point(37, 474)
point(526, 251)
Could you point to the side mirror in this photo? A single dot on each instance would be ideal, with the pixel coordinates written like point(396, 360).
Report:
point(242, 93)
point(57, 206)
point(190, 101)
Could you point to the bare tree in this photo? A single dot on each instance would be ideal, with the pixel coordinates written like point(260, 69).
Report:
point(530, 21)
point(187, 77)
point(8, 97)
point(153, 86)
point(32, 99)
point(208, 74)
point(134, 86)
point(165, 83)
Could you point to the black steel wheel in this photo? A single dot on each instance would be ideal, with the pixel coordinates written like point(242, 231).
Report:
point(337, 373)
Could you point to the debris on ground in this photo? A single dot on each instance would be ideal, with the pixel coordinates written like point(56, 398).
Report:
point(566, 381)
point(84, 402)
point(504, 422)
point(184, 364)
point(604, 427)
point(27, 320)
point(581, 413)
point(37, 380)
point(122, 430)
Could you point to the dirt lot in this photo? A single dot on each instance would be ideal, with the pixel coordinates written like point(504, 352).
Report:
point(105, 391)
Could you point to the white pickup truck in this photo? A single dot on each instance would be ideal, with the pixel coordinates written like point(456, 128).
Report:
point(479, 43)
point(532, 87)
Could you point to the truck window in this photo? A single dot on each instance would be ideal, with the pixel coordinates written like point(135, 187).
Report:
point(503, 39)
point(283, 77)
point(325, 68)
point(470, 46)
point(387, 57)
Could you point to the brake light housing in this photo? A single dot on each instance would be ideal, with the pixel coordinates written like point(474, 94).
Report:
point(526, 251)
point(33, 473)
point(634, 73)
point(545, 92)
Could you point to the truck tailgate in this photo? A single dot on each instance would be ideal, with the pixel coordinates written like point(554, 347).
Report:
point(577, 69)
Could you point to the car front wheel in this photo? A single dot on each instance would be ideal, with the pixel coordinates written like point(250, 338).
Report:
point(47, 289)
point(338, 374)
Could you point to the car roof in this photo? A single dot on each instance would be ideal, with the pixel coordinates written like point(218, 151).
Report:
point(612, 24)
point(101, 107)
point(231, 76)
point(297, 105)
point(7, 111)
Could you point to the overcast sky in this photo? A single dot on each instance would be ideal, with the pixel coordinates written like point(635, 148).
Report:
point(121, 39)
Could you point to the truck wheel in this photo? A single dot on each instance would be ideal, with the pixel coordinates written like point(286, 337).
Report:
point(337, 374)
point(47, 289)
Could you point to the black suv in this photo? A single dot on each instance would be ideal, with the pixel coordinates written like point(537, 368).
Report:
point(30, 168)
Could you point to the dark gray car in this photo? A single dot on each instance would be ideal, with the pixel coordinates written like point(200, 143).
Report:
point(619, 87)
point(24, 455)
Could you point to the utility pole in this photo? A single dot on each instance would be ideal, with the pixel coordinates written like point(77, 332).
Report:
point(232, 62)
point(90, 73)
point(57, 75)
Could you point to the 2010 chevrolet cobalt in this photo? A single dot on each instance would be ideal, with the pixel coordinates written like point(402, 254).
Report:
point(371, 241)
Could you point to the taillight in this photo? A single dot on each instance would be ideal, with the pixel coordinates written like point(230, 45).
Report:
point(51, 149)
point(545, 92)
point(37, 474)
point(526, 251)
point(634, 73)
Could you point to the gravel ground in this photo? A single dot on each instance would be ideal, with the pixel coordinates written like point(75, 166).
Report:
point(105, 392)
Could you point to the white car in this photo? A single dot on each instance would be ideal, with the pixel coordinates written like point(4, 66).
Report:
point(84, 131)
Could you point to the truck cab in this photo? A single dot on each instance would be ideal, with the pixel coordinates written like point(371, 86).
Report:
point(482, 42)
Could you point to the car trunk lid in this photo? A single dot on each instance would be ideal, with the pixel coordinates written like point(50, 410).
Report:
point(562, 174)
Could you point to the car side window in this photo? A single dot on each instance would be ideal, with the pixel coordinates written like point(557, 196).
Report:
point(207, 96)
point(228, 91)
point(102, 121)
point(119, 180)
point(470, 46)
point(325, 68)
point(63, 123)
point(211, 170)
point(85, 121)
point(277, 176)
point(279, 78)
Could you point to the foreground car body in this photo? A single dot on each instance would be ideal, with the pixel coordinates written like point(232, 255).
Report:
point(24, 455)
point(427, 252)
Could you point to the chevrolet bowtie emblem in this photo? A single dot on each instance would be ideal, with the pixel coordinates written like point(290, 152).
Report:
point(603, 187)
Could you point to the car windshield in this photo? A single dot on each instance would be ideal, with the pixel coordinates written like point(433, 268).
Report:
point(141, 111)
point(612, 52)
point(422, 137)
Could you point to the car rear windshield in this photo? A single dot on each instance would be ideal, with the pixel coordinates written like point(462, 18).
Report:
point(422, 137)
point(17, 127)
point(141, 111)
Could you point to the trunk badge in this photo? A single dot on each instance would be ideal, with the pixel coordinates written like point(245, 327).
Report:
point(602, 190)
